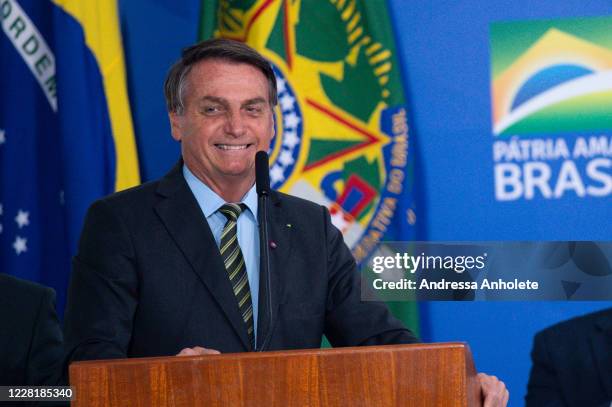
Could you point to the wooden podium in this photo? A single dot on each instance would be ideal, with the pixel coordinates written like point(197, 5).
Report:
point(420, 375)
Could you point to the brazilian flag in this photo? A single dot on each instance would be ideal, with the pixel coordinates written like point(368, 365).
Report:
point(66, 135)
point(342, 135)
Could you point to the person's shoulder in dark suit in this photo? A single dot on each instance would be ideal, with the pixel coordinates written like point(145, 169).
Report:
point(30, 333)
point(572, 363)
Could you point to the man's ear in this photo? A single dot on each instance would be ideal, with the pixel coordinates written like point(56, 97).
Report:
point(175, 125)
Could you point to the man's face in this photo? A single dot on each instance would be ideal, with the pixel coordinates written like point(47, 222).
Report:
point(226, 120)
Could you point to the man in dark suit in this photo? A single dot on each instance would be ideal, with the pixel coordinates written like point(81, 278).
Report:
point(572, 363)
point(30, 334)
point(172, 267)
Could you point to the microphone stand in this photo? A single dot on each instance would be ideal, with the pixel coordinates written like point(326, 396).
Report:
point(264, 245)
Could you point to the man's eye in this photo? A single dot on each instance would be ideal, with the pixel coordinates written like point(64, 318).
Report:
point(212, 109)
point(254, 109)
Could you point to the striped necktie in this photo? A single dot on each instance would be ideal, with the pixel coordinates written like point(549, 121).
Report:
point(234, 264)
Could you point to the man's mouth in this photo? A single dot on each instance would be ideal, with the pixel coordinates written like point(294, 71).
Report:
point(233, 146)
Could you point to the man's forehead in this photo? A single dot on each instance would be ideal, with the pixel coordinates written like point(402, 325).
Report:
point(225, 81)
point(216, 66)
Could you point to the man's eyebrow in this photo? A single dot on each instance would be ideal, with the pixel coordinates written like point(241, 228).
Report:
point(214, 99)
point(254, 101)
point(222, 101)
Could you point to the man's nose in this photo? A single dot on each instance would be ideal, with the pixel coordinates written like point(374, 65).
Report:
point(234, 124)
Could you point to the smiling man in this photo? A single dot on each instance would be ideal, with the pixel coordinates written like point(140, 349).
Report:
point(172, 266)
point(225, 120)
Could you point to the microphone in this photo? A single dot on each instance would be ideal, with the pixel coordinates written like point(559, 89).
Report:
point(262, 173)
point(262, 186)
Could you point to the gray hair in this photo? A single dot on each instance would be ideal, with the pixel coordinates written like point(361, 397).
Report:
point(218, 48)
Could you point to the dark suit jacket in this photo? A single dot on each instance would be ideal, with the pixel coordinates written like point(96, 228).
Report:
point(148, 280)
point(30, 334)
point(572, 363)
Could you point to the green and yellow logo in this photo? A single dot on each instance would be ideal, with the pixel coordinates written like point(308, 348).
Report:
point(342, 133)
point(552, 76)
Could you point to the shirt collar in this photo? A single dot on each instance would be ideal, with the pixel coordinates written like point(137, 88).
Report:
point(208, 199)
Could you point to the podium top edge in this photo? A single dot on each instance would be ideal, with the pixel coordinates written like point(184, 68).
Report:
point(300, 352)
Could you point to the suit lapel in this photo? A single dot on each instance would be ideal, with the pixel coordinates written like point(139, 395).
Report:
point(601, 343)
point(280, 234)
point(181, 215)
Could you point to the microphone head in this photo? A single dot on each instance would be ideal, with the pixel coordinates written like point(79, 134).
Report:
point(262, 173)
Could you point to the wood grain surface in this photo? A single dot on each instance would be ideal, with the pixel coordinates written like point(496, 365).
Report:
point(397, 375)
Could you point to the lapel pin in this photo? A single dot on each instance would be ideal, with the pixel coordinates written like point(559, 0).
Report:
point(288, 225)
point(273, 244)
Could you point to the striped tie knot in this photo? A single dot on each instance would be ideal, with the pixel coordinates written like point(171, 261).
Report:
point(232, 210)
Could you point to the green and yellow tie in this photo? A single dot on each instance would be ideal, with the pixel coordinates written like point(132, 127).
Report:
point(234, 264)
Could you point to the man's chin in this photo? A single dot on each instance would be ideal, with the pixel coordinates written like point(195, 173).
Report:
point(239, 173)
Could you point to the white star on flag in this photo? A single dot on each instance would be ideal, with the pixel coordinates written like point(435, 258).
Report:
point(280, 85)
point(20, 245)
point(277, 174)
point(290, 139)
point(285, 158)
point(2, 136)
point(287, 102)
point(291, 120)
point(22, 218)
point(1, 209)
